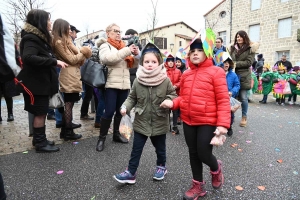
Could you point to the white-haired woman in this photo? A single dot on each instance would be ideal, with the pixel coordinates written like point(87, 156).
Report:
point(118, 59)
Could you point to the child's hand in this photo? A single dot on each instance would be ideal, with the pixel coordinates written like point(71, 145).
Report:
point(221, 130)
point(123, 111)
point(175, 87)
point(167, 104)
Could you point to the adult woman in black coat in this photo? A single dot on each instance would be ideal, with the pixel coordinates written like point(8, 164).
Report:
point(38, 74)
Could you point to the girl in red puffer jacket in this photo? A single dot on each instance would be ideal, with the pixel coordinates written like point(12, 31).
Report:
point(205, 109)
point(174, 75)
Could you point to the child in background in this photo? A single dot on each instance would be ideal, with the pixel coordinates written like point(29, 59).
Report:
point(181, 66)
point(174, 75)
point(267, 83)
point(279, 76)
point(150, 88)
point(293, 83)
point(205, 110)
point(233, 83)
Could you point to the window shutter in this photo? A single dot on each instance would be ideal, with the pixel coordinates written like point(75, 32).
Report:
point(165, 43)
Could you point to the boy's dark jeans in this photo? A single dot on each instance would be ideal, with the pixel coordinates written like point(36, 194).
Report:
point(2, 193)
point(159, 142)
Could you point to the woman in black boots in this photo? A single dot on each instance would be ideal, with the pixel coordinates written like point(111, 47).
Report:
point(38, 74)
point(119, 59)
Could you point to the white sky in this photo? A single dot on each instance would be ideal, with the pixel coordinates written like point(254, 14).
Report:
point(98, 14)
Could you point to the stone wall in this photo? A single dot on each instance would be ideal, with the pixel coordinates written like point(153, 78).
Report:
point(267, 16)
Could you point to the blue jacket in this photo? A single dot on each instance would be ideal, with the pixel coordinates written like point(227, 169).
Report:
point(233, 83)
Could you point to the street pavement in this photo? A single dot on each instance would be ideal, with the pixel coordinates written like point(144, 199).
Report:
point(265, 153)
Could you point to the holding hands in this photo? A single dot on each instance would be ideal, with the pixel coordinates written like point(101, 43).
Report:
point(167, 104)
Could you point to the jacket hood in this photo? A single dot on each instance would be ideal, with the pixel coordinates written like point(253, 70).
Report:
point(101, 41)
point(28, 28)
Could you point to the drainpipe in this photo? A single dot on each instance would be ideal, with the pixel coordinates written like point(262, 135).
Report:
point(230, 20)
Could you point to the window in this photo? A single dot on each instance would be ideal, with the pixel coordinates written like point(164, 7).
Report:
point(223, 36)
point(143, 42)
point(160, 42)
point(255, 4)
point(285, 27)
point(280, 53)
point(180, 43)
point(284, 1)
point(254, 32)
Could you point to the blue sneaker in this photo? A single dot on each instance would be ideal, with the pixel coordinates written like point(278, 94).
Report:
point(125, 177)
point(160, 173)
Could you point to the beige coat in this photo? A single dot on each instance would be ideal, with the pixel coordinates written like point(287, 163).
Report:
point(118, 73)
point(69, 77)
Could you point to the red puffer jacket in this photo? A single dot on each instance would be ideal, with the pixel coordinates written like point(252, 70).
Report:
point(174, 75)
point(204, 98)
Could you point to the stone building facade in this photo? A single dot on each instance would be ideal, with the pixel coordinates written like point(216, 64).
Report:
point(272, 23)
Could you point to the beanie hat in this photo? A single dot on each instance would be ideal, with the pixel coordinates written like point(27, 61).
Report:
point(131, 32)
point(197, 44)
point(260, 56)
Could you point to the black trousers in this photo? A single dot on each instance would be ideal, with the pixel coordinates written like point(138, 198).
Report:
point(139, 141)
point(200, 150)
point(88, 95)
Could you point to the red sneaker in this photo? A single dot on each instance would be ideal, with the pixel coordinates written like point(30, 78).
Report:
point(217, 178)
point(196, 191)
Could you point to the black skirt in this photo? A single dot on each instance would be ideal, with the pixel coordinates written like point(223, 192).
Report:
point(71, 97)
point(40, 106)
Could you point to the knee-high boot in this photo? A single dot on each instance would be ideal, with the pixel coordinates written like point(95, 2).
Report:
point(105, 124)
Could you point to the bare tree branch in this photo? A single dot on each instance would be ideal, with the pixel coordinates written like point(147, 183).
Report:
point(16, 12)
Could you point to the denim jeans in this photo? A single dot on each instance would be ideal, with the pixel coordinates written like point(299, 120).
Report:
point(114, 98)
point(51, 111)
point(244, 100)
point(175, 116)
point(159, 142)
point(101, 104)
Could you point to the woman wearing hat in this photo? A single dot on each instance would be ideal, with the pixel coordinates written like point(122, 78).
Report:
point(205, 110)
point(242, 53)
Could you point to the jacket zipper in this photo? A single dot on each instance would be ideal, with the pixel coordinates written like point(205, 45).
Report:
point(150, 94)
point(191, 94)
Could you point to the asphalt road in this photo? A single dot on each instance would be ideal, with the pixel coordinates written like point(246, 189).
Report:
point(272, 135)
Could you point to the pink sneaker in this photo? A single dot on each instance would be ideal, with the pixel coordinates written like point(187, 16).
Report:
point(217, 177)
point(196, 191)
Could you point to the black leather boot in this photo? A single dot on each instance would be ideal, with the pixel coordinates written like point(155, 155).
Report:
point(41, 143)
point(117, 137)
point(68, 134)
point(49, 142)
point(105, 124)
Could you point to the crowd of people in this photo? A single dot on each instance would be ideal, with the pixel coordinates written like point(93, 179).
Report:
point(140, 79)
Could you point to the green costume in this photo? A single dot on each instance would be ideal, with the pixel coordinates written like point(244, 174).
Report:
point(267, 82)
point(278, 76)
point(255, 85)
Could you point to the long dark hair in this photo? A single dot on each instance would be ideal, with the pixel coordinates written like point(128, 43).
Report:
point(39, 19)
point(60, 30)
point(243, 35)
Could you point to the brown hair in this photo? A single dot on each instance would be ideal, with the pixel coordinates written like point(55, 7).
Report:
point(243, 35)
point(156, 54)
point(60, 30)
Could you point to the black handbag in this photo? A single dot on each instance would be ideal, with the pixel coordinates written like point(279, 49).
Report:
point(94, 74)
